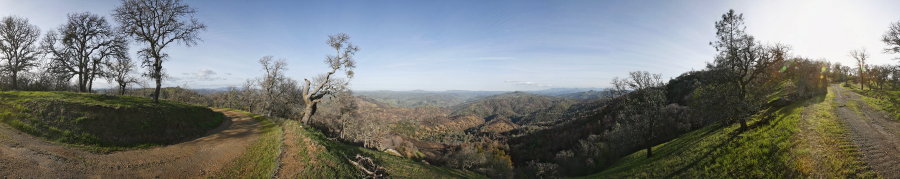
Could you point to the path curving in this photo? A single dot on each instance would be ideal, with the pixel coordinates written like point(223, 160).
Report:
point(26, 156)
point(872, 131)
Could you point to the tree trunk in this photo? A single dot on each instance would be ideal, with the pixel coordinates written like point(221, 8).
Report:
point(649, 139)
point(15, 80)
point(862, 80)
point(269, 107)
point(157, 68)
point(308, 111)
point(745, 107)
point(743, 123)
point(90, 84)
point(122, 89)
point(156, 92)
point(80, 82)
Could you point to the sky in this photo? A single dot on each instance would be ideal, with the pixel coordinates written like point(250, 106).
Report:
point(489, 45)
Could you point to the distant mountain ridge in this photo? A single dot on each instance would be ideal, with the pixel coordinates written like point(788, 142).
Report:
point(448, 98)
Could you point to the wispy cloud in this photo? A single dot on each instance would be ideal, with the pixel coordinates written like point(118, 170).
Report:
point(202, 75)
point(495, 58)
point(527, 83)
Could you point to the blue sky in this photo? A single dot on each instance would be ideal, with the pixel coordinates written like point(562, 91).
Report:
point(490, 45)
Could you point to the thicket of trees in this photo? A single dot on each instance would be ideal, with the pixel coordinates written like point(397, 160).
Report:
point(645, 106)
point(88, 47)
point(82, 46)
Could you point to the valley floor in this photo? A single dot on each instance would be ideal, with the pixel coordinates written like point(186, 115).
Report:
point(26, 156)
point(833, 136)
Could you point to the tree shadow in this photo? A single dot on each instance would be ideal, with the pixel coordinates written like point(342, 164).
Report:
point(702, 157)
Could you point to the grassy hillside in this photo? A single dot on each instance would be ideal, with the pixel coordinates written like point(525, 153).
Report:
point(104, 122)
point(886, 100)
point(801, 140)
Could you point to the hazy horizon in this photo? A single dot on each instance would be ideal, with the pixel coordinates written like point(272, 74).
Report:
point(488, 46)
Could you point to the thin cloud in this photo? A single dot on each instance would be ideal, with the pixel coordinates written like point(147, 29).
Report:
point(527, 83)
point(202, 75)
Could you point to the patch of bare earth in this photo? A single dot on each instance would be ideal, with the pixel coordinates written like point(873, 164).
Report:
point(26, 156)
point(291, 163)
point(876, 136)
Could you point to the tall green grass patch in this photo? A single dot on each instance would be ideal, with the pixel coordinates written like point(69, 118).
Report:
point(261, 158)
point(886, 100)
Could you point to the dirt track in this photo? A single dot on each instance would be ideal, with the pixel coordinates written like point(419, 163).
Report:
point(24, 156)
point(873, 132)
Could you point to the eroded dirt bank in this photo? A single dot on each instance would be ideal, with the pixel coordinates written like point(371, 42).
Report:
point(25, 156)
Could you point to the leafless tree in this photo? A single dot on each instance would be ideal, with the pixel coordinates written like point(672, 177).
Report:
point(860, 56)
point(157, 24)
point(643, 106)
point(326, 84)
point(119, 71)
point(248, 95)
point(18, 45)
point(891, 38)
point(743, 57)
point(272, 83)
point(81, 47)
point(347, 112)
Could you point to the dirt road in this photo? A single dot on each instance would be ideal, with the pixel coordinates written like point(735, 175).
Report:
point(873, 132)
point(25, 156)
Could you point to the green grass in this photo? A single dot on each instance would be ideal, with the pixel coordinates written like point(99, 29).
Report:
point(261, 158)
point(772, 149)
point(103, 122)
point(328, 159)
point(886, 100)
point(825, 149)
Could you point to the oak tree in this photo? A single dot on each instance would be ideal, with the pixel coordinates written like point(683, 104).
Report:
point(157, 24)
point(327, 84)
point(82, 46)
point(18, 47)
point(860, 56)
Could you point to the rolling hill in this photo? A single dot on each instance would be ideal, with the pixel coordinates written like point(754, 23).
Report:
point(515, 106)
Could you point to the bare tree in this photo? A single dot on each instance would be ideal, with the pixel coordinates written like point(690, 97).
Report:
point(81, 47)
point(271, 83)
point(891, 38)
point(119, 71)
point(157, 24)
point(860, 56)
point(742, 57)
point(18, 45)
point(644, 104)
point(347, 112)
point(248, 95)
point(326, 84)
